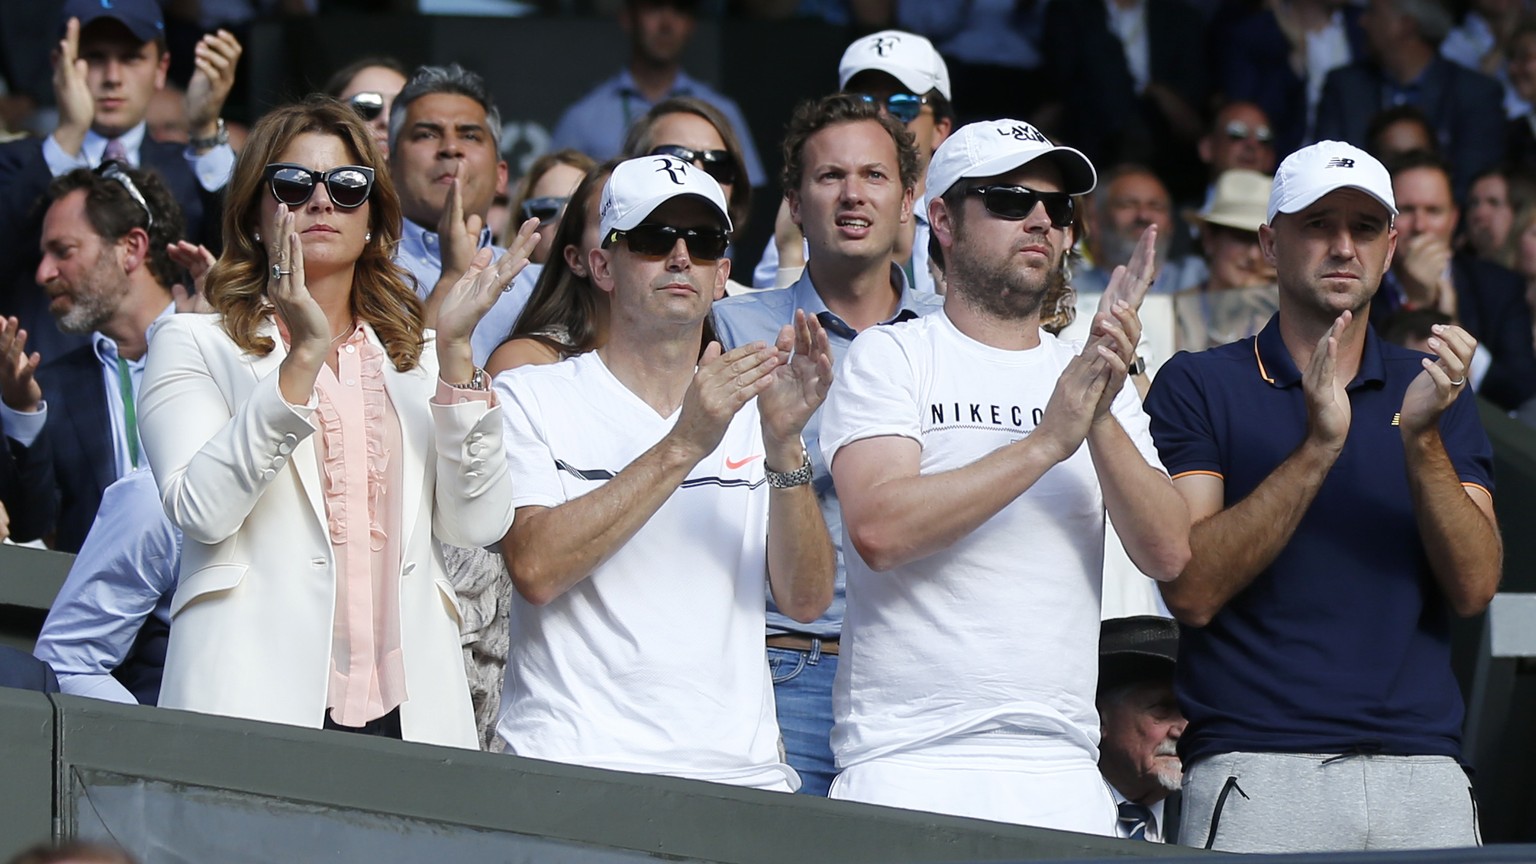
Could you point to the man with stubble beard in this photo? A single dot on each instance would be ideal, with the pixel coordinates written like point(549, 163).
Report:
point(975, 454)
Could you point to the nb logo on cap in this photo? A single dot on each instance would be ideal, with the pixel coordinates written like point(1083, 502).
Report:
point(885, 44)
point(1023, 132)
point(674, 169)
point(1340, 162)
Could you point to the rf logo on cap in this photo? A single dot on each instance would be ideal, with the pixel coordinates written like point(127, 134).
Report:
point(673, 168)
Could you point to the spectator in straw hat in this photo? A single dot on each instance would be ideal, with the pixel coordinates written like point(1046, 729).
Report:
point(1239, 295)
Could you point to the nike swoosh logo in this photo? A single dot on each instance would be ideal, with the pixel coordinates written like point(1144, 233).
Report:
point(733, 464)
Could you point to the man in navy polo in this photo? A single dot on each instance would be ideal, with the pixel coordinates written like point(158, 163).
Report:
point(1339, 489)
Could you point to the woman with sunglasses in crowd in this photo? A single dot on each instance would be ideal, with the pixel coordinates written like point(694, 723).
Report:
point(696, 132)
point(370, 86)
point(566, 315)
point(314, 443)
point(543, 192)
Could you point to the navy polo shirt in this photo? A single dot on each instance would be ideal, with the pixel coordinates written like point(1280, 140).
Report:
point(1342, 644)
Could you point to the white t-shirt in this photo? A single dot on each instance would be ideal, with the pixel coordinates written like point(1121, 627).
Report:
point(654, 663)
point(991, 645)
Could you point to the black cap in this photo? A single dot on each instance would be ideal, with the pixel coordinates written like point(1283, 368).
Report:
point(141, 17)
point(1137, 648)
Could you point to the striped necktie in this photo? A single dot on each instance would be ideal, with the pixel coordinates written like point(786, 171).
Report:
point(1133, 820)
point(115, 151)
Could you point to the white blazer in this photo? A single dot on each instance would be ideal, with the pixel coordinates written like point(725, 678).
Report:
point(255, 600)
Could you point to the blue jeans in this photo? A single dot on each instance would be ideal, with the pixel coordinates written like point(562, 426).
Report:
point(802, 690)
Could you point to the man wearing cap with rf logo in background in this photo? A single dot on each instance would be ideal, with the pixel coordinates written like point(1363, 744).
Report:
point(658, 491)
point(974, 455)
point(1339, 487)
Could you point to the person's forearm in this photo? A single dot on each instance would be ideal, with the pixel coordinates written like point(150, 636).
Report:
point(550, 550)
point(1149, 515)
point(905, 519)
point(801, 563)
point(1462, 543)
point(1230, 548)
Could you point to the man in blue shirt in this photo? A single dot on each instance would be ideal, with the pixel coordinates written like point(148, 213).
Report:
point(445, 158)
point(849, 183)
point(658, 31)
point(1339, 492)
point(106, 632)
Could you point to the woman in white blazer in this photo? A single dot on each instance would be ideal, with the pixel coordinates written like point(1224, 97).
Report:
point(313, 442)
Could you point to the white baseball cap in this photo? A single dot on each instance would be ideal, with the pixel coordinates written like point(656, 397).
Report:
point(638, 186)
point(907, 57)
point(994, 147)
point(1312, 172)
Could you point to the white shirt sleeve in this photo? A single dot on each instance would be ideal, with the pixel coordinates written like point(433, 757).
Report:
point(212, 168)
point(59, 162)
point(21, 427)
point(874, 394)
point(531, 460)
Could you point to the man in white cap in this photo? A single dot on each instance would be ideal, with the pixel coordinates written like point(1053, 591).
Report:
point(974, 455)
point(659, 490)
point(905, 76)
point(1339, 487)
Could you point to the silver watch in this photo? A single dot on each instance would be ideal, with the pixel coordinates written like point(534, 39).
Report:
point(477, 381)
point(790, 479)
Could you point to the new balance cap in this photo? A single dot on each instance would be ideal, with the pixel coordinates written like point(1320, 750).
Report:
point(1312, 172)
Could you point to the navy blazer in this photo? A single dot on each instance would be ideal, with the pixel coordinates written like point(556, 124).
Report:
point(1490, 301)
point(79, 430)
point(24, 179)
point(1466, 108)
point(1256, 67)
point(22, 670)
point(28, 488)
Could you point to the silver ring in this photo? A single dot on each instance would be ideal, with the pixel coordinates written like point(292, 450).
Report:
point(278, 272)
point(1458, 382)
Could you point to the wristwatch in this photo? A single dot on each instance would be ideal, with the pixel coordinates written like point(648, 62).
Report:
point(1138, 366)
point(790, 479)
point(220, 136)
point(477, 381)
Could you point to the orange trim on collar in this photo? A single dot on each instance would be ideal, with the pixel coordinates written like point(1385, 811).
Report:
point(1263, 373)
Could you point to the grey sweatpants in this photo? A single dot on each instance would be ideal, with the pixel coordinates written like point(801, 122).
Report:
point(1309, 802)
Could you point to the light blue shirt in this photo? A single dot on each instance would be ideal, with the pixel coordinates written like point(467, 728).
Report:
point(758, 317)
point(596, 124)
point(212, 168)
point(421, 253)
point(125, 572)
point(767, 270)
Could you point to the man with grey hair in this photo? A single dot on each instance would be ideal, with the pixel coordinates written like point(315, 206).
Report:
point(445, 159)
point(1404, 67)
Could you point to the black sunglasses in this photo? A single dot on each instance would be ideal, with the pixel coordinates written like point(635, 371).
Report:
point(368, 105)
point(115, 170)
point(903, 106)
point(1017, 202)
point(705, 244)
point(546, 209)
point(716, 163)
point(348, 185)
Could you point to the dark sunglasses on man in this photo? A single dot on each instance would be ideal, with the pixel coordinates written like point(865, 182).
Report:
point(1017, 202)
point(1237, 130)
point(657, 241)
point(368, 105)
point(716, 163)
point(347, 185)
point(903, 106)
point(546, 208)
